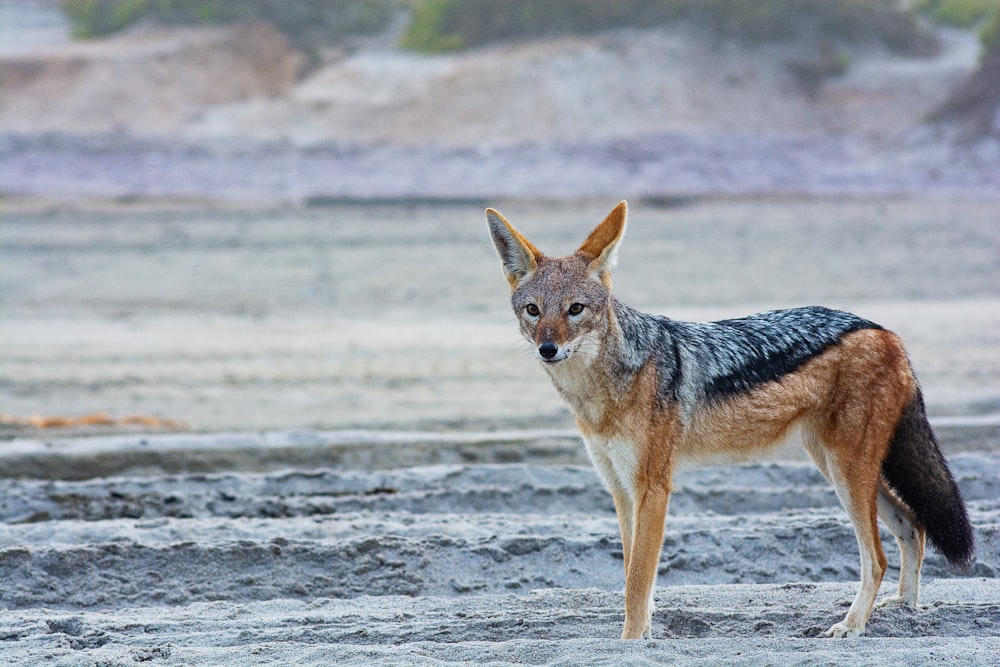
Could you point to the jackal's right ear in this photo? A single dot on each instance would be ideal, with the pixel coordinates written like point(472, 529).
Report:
point(518, 255)
point(601, 247)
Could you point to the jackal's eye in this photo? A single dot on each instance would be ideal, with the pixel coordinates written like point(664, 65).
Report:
point(532, 310)
point(576, 309)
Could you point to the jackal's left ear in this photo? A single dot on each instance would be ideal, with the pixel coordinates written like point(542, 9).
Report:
point(602, 244)
point(518, 255)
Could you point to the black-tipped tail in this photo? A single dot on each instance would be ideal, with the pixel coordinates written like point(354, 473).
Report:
point(917, 472)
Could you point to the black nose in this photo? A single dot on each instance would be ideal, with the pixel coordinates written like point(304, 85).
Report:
point(547, 350)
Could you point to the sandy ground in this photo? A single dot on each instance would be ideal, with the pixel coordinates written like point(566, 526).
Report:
point(397, 316)
point(450, 564)
point(374, 472)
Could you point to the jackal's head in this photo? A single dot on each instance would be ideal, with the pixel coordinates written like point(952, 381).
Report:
point(562, 303)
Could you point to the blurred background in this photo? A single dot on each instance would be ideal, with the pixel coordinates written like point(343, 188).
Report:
point(267, 214)
point(301, 102)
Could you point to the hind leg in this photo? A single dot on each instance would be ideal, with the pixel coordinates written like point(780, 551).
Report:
point(899, 520)
point(858, 494)
point(866, 532)
point(827, 466)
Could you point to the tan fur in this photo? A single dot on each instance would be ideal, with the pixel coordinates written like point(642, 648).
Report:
point(847, 401)
point(829, 399)
point(843, 405)
point(602, 242)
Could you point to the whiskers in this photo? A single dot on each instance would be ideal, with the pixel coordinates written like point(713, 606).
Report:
point(581, 351)
point(527, 348)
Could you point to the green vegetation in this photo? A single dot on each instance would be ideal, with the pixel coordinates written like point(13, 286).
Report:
point(958, 13)
point(92, 18)
point(989, 35)
point(448, 25)
point(968, 14)
point(972, 106)
point(308, 24)
point(428, 30)
point(440, 25)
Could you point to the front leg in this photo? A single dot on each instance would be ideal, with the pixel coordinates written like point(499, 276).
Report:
point(643, 561)
point(621, 493)
point(625, 510)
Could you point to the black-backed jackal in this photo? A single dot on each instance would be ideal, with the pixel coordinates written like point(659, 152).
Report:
point(650, 393)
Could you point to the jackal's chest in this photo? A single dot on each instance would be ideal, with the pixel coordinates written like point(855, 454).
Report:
point(615, 458)
point(587, 393)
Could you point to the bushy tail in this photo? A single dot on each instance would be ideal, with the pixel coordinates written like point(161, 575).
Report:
point(917, 472)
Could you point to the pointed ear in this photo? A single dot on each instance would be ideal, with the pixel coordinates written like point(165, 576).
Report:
point(601, 247)
point(518, 255)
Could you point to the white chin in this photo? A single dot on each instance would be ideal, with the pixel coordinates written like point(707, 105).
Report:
point(562, 356)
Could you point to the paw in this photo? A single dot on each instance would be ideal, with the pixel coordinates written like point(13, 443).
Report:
point(898, 601)
point(842, 629)
point(628, 633)
point(638, 632)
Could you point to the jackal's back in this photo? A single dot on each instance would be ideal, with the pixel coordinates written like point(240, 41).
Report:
point(718, 359)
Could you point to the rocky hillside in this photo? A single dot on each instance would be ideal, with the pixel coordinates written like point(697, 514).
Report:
point(247, 81)
point(150, 81)
point(239, 111)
